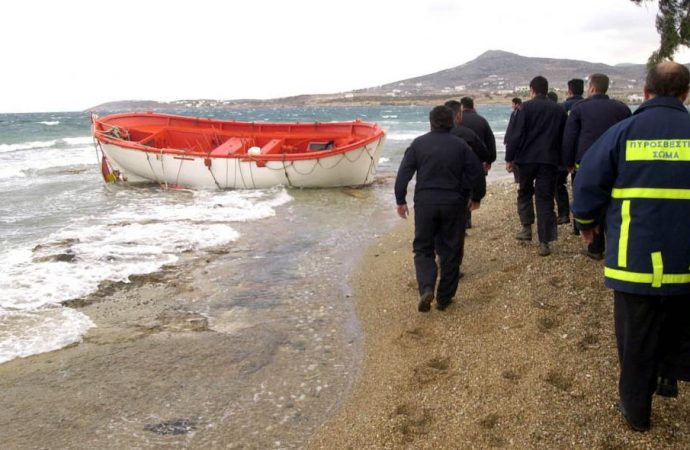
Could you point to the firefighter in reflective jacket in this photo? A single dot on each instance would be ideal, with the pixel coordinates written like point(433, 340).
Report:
point(640, 170)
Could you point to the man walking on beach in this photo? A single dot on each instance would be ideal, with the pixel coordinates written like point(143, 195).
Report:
point(447, 171)
point(516, 104)
point(637, 172)
point(587, 121)
point(472, 120)
point(534, 146)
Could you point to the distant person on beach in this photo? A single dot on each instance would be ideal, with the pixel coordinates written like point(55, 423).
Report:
point(460, 130)
point(589, 119)
point(447, 172)
point(516, 103)
point(561, 195)
point(472, 120)
point(534, 146)
point(637, 171)
point(576, 88)
point(477, 146)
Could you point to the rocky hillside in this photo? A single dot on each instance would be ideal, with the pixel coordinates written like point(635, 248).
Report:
point(493, 77)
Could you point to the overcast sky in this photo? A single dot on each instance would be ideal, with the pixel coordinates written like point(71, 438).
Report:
point(73, 54)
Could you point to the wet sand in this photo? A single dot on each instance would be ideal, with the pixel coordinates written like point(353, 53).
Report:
point(524, 358)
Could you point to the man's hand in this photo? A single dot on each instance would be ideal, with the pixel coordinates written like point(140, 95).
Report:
point(509, 167)
point(588, 234)
point(403, 212)
point(473, 205)
point(487, 167)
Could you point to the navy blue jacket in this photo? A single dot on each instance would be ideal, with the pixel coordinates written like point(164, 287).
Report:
point(473, 140)
point(447, 170)
point(481, 126)
point(571, 101)
point(639, 170)
point(588, 120)
point(537, 134)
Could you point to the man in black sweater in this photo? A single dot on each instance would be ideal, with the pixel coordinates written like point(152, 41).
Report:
point(447, 172)
point(535, 147)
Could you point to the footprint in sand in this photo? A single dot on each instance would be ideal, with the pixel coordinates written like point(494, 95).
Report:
point(433, 370)
point(410, 421)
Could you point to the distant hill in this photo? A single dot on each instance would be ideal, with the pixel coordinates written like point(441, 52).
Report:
point(494, 76)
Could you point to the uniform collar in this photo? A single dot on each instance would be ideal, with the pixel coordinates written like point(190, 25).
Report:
point(599, 97)
point(668, 102)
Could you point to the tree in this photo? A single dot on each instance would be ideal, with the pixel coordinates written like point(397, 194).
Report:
point(673, 25)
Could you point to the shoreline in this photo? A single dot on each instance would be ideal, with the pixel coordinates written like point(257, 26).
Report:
point(524, 358)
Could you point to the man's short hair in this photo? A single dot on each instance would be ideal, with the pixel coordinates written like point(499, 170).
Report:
point(539, 85)
point(467, 102)
point(454, 105)
point(517, 100)
point(668, 79)
point(441, 118)
point(552, 96)
point(599, 82)
point(576, 86)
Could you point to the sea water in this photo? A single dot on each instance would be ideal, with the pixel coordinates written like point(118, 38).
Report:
point(63, 233)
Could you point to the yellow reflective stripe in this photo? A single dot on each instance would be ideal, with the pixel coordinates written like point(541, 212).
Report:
point(646, 278)
point(651, 193)
point(657, 150)
point(584, 221)
point(625, 234)
point(657, 269)
point(623, 275)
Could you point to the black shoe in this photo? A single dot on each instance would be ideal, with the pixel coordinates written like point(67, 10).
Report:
point(441, 306)
point(667, 387)
point(633, 424)
point(525, 234)
point(576, 232)
point(563, 220)
point(425, 301)
point(594, 256)
point(544, 249)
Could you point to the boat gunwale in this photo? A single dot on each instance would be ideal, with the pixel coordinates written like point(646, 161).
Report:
point(100, 136)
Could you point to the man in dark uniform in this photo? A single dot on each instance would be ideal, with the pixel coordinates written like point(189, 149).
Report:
point(460, 130)
point(472, 120)
point(516, 104)
point(638, 172)
point(576, 88)
point(477, 146)
point(534, 146)
point(447, 171)
point(589, 119)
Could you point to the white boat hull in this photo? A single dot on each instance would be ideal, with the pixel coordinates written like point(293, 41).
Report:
point(353, 168)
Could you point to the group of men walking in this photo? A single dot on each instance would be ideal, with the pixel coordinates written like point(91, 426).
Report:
point(630, 183)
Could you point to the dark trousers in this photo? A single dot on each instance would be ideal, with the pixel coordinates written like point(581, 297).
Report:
point(439, 230)
point(653, 335)
point(537, 185)
point(562, 201)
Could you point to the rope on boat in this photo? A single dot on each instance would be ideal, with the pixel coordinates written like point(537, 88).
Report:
point(287, 177)
point(208, 163)
point(165, 180)
point(155, 177)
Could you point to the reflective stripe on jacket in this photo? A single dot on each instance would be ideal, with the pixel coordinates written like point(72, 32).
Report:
point(640, 170)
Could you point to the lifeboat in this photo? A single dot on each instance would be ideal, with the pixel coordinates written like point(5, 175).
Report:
point(188, 152)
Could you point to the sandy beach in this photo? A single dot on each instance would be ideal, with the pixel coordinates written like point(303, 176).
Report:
point(524, 358)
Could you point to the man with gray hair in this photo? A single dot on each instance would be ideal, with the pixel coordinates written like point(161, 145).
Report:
point(637, 172)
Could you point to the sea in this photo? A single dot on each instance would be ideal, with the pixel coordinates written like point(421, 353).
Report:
point(64, 232)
